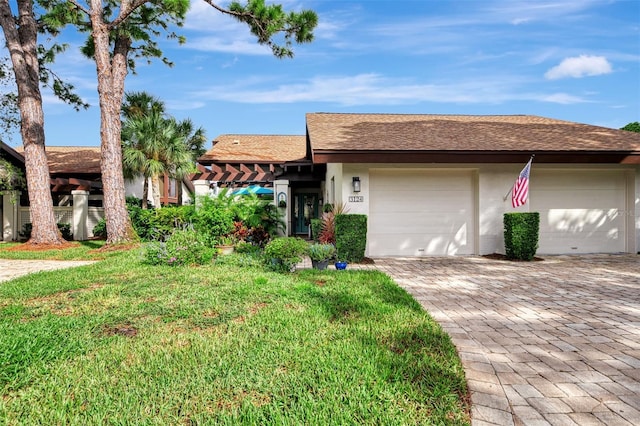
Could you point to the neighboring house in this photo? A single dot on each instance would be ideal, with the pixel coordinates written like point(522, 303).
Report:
point(76, 190)
point(8, 201)
point(440, 184)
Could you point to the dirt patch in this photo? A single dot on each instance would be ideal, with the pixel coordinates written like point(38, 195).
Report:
point(126, 330)
point(255, 308)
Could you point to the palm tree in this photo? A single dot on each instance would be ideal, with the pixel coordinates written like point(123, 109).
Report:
point(153, 145)
point(138, 104)
point(194, 138)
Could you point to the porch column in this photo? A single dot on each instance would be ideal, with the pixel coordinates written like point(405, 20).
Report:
point(201, 189)
point(80, 214)
point(282, 192)
point(10, 204)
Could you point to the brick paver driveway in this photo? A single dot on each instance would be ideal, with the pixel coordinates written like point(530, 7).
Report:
point(550, 342)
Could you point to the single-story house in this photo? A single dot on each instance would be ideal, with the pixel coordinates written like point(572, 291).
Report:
point(76, 190)
point(440, 184)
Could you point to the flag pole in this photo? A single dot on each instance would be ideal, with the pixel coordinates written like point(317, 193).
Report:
point(514, 184)
point(508, 192)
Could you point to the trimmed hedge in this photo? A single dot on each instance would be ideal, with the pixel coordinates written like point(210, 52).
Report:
point(521, 235)
point(351, 237)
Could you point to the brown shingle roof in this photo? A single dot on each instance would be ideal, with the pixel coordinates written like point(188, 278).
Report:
point(408, 132)
point(256, 149)
point(72, 159)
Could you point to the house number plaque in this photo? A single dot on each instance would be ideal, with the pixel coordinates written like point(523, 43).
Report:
point(356, 198)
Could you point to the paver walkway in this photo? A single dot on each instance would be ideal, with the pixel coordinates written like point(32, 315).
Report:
point(553, 342)
point(10, 269)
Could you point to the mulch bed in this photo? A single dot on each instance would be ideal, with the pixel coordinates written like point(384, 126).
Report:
point(43, 247)
point(498, 256)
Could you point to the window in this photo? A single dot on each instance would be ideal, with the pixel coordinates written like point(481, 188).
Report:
point(168, 190)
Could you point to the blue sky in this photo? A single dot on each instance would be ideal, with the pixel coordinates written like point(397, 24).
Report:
point(571, 60)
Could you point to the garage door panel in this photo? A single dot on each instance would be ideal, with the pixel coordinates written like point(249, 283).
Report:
point(419, 212)
point(420, 202)
point(578, 180)
point(426, 244)
point(577, 200)
point(582, 213)
point(426, 222)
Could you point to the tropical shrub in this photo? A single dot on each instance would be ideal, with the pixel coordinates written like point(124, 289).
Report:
point(255, 212)
point(182, 247)
point(351, 236)
point(11, 177)
point(213, 219)
point(328, 232)
point(100, 229)
point(282, 254)
point(142, 222)
point(64, 228)
point(243, 247)
point(521, 235)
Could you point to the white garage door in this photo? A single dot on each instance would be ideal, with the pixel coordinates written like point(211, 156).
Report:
point(580, 211)
point(420, 212)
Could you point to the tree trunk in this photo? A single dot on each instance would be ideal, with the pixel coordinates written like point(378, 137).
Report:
point(155, 191)
point(22, 45)
point(111, 74)
point(145, 193)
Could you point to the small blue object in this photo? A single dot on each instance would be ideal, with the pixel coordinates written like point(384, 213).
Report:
point(341, 265)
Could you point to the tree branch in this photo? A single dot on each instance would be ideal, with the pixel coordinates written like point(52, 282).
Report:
point(227, 11)
point(79, 6)
point(126, 10)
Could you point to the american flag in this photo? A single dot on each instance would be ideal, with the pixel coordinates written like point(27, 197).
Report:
point(520, 190)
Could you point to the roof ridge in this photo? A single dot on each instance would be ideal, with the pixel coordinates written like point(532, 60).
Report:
point(429, 114)
point(257, 134)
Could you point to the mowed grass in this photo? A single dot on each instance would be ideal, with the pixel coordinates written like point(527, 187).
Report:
point(119, 342)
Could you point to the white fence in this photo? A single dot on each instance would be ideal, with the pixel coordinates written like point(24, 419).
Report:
point(65, 215)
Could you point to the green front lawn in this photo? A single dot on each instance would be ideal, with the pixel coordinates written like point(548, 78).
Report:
point(120, 342)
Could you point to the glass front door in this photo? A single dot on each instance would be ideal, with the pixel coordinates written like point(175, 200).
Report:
point(304, 209)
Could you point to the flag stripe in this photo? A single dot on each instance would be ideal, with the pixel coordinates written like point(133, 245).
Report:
point(520, 191)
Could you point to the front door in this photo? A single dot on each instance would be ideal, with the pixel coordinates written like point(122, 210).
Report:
point(304, 209)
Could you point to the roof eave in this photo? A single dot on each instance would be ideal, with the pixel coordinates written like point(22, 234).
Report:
point(12, 152)
point(409, 156)
point(209, 161)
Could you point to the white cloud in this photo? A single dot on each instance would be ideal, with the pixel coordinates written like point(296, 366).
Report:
point(375, 89)
point(581, 66)
point(525, 11)
point(562, 98)
point(237, 46)
point(184, 105)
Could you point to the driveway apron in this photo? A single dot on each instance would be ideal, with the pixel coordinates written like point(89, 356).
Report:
point(554, 342)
